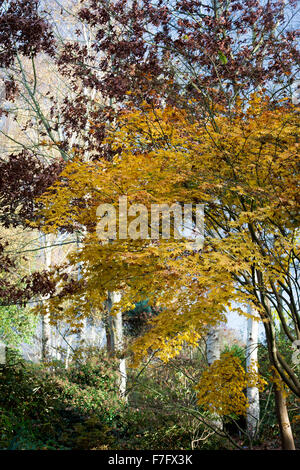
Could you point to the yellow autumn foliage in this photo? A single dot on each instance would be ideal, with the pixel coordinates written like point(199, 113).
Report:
point(222, 386)
point(242, 166)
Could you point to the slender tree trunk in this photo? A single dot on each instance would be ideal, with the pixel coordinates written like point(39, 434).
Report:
point(212, 355)
point(286, 433)
point(81, 335)
point(117, 339)
point(108, 338)
point(68, 353)
point(253, 411)
point(46, 335)
point(212, 346)
point(46, 327)
point(82, 331)
point(92, 331)
point(2, 353)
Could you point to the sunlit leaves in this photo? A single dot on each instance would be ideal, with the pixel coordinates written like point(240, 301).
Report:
point(244, 171)
point(222, 386)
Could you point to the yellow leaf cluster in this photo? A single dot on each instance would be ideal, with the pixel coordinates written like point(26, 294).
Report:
point(222, 386)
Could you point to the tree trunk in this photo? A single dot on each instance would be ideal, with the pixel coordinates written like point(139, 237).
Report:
point(286, 433)
point(117, 339)
point(253, 411)
point(68, 353)
point(212, 346)
point(2, 353)
point(212, 355)
point(91, 324)
point(46, 335)
point(80, 336)
point(46, 327)
point(108, 338)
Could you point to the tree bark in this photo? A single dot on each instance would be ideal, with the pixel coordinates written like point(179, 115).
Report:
point(212, 346)
point(253, 411)
point(68, 353)
point(46, 327)
point(117, 339)
point(108, 338)
point(46, 335)
point(2, 353)
point(286, 433)
point(212, 355)
point(80, 336)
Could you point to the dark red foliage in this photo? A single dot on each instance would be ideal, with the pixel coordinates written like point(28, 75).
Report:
point(22, 31)
point(28, 288)
point(23, 177)
point(143, 44)
point(171, 51)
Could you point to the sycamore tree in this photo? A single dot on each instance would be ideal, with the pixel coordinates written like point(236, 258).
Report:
point(244, 168)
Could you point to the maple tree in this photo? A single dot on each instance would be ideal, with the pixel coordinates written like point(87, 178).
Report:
point(244, 168)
